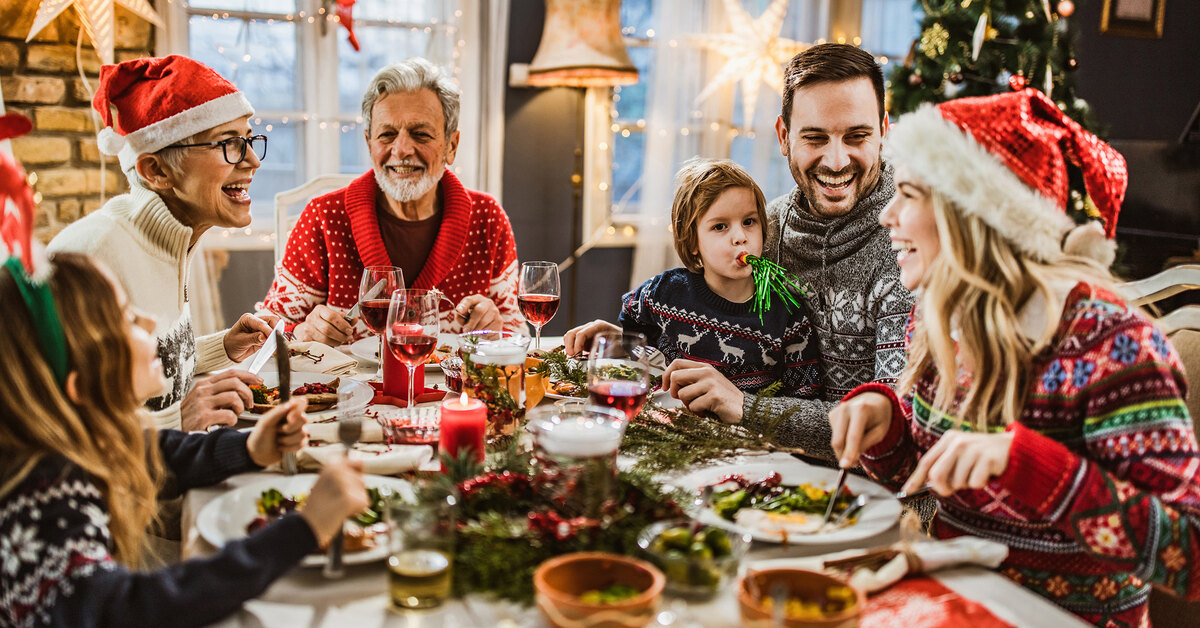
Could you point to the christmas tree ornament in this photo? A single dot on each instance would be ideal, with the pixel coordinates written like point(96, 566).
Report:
point(1046, 10)
point(914, 79)
point(1017, 82)
point(1072, 64)
point(950, 89)
point(981, 30)
point(96, 16)
point(955, 77)
point(1066, 8)
point(771, 279)
point(1049, 85)
point(934, 41)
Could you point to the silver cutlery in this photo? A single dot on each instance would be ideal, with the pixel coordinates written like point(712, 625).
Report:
point(850, 511)
point(283, 362)
point(264, 352)
point(349, 430)
point(371, 294)
point(837, 491)
point(905, 498)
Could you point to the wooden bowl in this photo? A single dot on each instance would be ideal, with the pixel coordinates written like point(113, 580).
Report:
point(560, 581)
point(799, 583)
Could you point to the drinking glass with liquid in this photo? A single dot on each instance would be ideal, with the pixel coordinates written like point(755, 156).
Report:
point(538, 295)
point(422, 516)
point(618, 374)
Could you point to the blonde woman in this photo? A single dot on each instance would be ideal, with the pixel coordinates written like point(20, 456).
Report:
point(79, 471)
point(1044, 411)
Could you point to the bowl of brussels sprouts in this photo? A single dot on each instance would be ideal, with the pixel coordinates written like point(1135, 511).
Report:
point(698, 560)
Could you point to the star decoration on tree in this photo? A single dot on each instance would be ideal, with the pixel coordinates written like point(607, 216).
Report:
point(754, 52)
point(96, 17)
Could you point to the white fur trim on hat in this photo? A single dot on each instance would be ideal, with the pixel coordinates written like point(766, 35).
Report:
point(161, 134)
point(950, 161)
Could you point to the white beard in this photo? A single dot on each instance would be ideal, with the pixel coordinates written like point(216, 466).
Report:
point(407, 191)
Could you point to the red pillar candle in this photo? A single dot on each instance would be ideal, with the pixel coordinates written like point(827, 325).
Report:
point(464, 423)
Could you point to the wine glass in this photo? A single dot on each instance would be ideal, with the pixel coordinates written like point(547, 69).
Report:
point(618, 373)
point(538, 295)
point(412, 329)
point(374, 298)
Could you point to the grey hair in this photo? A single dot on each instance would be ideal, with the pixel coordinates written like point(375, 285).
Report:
point(171, 158)
point(414, 74)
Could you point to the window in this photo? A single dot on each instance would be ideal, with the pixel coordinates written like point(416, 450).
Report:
point(296, 66)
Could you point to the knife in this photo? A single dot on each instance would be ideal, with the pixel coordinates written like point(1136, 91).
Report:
point(837, 490)
point(371, 294)
point(283, 362)
point(264, 352)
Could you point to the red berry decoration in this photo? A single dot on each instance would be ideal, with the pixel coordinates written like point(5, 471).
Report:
point(914, 79)
point(956, 77)
point(1017, 82)
point(1066, 8)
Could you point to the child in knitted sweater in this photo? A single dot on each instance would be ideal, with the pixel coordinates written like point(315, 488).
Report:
point(702, 314)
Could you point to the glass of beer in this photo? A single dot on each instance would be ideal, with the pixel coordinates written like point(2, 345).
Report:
point(421, 515)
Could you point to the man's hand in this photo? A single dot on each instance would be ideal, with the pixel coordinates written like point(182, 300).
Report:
point(326, 325)
point(703, 389)
point(338, 494)
point(248, 335)
point(961, 460)
point(859, 424)
point(279, 431)
point(476, 312)
point(579, 339)
point(217, 400)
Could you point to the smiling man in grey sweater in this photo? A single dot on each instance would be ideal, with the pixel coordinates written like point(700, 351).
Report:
point(827, 231)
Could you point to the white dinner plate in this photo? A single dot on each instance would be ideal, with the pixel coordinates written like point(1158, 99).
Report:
point(879, 514)
point(366, 349)
point(360, 392)
point(225, 518)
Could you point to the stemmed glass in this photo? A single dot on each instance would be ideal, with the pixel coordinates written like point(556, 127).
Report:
point(618, 373)
point(375, 296)
point(412, 329)
point(538, 295)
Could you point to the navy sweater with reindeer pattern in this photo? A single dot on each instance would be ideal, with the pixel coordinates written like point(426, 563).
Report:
point(684, 318)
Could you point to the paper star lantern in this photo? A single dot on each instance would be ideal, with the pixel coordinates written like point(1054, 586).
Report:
point(754, 53)
point(96, 17)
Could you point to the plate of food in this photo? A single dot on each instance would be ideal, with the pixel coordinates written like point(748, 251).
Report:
point(320, 389)
point(784, 502)
point(367, 350)
point(567, 376)
point(242, 510)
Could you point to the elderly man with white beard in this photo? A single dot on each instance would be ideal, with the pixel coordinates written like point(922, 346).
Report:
point(411, 212)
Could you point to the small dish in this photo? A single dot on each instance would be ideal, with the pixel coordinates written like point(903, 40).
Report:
point(697, 562)
point(560, 582)
point(821, 601)
point(410, 426)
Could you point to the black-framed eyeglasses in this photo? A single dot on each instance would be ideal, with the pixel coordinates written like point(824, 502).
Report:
point(234, 148)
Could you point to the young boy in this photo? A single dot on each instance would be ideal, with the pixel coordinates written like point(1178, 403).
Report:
point(703, 312)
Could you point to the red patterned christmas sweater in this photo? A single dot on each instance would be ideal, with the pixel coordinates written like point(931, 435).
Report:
point(1101, 496)
point(338, 234)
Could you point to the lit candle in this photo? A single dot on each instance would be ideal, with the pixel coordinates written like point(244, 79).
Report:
point(464, 423)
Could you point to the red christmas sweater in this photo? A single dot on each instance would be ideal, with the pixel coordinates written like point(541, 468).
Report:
point(338, 234)
point(1101, 496)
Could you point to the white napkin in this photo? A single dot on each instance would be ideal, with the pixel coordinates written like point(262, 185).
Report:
point(378, 458)
point(327, 432)
point(931, 556)
point(316, 357)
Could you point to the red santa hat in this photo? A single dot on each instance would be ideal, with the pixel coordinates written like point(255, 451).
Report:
point(150, 103)
point(1004, 159)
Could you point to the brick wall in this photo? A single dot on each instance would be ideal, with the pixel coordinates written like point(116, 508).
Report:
point(41, 80)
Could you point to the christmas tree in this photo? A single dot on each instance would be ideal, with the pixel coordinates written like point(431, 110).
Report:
point(981, 47)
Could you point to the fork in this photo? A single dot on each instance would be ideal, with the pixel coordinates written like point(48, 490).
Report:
point(850, 510)
point(349, 430)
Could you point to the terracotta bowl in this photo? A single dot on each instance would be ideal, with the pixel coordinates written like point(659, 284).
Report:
point(799, 583)
point(560, 581)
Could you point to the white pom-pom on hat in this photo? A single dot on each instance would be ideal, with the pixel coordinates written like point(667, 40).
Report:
point(1088, 240)
point(109, 141)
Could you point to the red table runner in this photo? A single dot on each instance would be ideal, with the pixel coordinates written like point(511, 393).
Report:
point(926, 602)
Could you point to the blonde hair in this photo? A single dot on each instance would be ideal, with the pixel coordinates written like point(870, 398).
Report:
point(698, 184)
point(976, 287)
point(105, 434)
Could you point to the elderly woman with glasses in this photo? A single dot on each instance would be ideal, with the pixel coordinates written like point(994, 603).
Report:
point(182, 135)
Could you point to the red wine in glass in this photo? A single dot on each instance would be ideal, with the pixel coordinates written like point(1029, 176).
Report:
point(627, 397)
point(374, 314)
point(411, 349)
point(538, 308)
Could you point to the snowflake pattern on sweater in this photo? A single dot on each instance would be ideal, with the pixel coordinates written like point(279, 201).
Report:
point(1101, 496)
point(684, 318)
point(337, 235)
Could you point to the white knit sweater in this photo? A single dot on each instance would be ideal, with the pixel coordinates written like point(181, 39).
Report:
point(136, 237)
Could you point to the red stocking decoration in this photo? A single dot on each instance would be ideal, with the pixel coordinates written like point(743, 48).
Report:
point(345, 13)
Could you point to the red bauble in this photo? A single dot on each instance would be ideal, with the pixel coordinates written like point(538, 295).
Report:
point(1016, 82)
point(914, 79)
point(1066, 8)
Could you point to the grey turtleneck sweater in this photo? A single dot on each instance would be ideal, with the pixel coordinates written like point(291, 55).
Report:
point(858, 306)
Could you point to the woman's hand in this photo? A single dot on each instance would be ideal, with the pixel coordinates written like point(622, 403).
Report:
point(325, 325)
point(859, 424)
point(579, 339)
point(338, 494)
point(248, 335)
point(279, 431)
point(961, 460)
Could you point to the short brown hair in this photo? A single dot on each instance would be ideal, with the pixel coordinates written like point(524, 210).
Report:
point(829, 63)
point(698, 184)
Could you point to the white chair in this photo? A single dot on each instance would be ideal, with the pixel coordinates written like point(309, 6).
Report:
point(1169, 282)
point(302, 194)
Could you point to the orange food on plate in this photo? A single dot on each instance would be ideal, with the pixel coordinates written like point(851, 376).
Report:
point(439, 354)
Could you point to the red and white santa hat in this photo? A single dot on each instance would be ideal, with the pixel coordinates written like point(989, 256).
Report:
point(1004, 159)
point(150, 103)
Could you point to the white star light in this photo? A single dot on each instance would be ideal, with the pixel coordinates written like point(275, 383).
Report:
point(96, 17)
point(754, 52)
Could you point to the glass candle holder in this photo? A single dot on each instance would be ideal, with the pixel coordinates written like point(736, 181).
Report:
point(494, 372)
point(575, 456)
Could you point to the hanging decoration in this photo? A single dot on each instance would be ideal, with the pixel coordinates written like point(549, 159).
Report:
point(754, 53)
point(96, 16)
point(345, 17)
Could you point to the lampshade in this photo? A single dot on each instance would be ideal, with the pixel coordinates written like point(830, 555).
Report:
point(582, 46)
